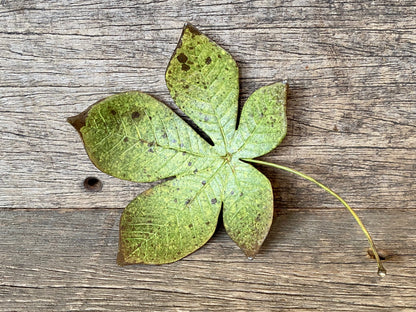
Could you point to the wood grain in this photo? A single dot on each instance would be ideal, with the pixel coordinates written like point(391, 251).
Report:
point(313, 260)
point(351, 68)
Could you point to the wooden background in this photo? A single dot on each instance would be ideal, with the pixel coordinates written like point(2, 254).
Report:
point(351, 67)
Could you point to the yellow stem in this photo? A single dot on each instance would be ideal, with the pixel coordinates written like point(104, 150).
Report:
point(381, 270)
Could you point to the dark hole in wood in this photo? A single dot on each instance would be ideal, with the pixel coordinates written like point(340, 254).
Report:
point(381, 253)
point(93, 184)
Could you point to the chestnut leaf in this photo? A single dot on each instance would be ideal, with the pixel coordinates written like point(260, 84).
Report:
point(135, 137)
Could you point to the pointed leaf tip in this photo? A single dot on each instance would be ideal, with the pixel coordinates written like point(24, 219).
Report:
point(78, 121)
point(192, 29)
point(120, 259)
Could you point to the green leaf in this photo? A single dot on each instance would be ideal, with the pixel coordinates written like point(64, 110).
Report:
point(262, 123)
point(171, 220)
point(248, 207)
point(135, 137)
point(203, 80)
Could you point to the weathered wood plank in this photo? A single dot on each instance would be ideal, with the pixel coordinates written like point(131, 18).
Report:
point(351, 68)
point(64, 260)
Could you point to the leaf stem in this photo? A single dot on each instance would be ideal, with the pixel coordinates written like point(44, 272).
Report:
point(381, 270)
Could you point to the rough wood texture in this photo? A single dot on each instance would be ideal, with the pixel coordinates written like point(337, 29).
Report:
point(351, 68)
point(313, 260)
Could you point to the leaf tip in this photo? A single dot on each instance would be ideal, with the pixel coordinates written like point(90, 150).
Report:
point(123, 258)
point(250, 248)
point(192, 29)
point(120, 259)
point(78, 121)
point(250, 252)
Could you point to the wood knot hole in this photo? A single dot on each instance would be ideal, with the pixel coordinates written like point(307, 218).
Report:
point(384, 255)
point(93, 184)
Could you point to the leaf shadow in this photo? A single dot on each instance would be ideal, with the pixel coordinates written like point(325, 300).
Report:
point(286, 217)
point(281, 229)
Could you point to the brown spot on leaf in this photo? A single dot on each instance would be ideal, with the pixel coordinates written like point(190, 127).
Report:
point(195, 171)
point(187, 201)
point(150, 150)
point(204, 182)
point(185, 67)
point(207, 223)
point(208, 60)
point(113, 112)
point(213, 201)
point(182, 58)
point(126, 139)
point(193, 30)
point(190, 226)
point(189, 164)
point(135, 115)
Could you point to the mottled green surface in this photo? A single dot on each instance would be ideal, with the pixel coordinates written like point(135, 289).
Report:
point(133, 136)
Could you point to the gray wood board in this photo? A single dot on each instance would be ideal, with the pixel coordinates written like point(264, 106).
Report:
point(351, 68)
point(316, 259)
